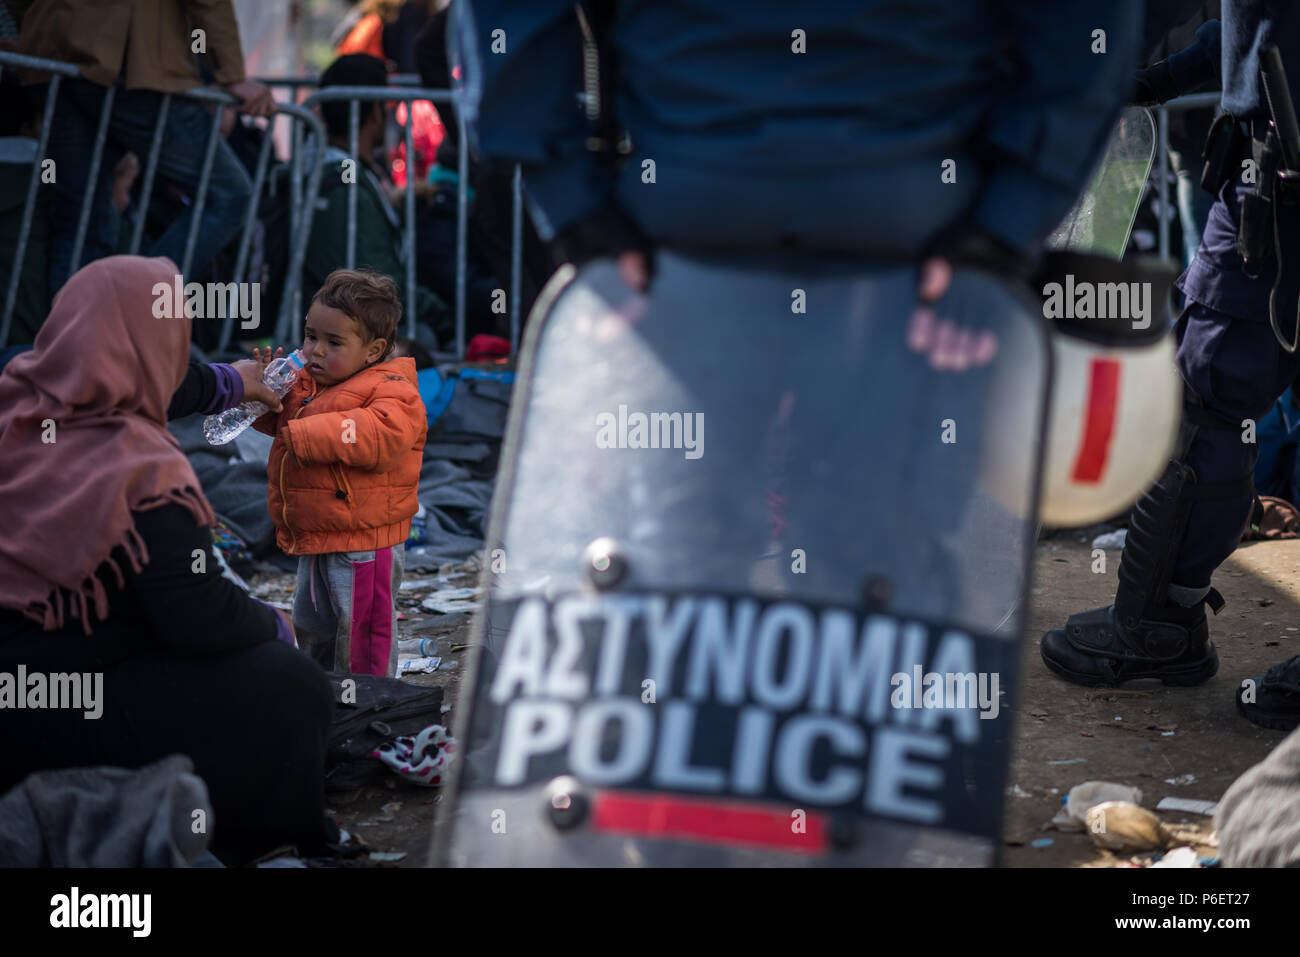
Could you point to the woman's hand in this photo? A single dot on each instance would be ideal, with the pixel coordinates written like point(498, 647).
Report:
point(251, 370)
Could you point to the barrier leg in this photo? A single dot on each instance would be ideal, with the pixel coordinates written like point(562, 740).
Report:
point(151, 168)
point(354, 126)
point(29, 207)
point(462, 231)
point(409, 238)
point(246, 239)
point(92, 180)
point(201, 191)
point(516, 254)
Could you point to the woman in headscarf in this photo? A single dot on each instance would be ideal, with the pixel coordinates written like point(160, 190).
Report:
point(107, 566)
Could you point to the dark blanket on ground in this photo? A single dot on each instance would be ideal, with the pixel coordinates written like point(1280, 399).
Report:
point(107, 817)
point(457, 502)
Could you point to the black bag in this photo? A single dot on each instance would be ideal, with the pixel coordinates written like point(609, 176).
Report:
point(376, 710)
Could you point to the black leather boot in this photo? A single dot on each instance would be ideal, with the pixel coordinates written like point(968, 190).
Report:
point(1143, 634)
point(1094, 648)
point(1272, 700)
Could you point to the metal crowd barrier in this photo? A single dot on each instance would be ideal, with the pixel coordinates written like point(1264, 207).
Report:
point(305, 209)
point(295, 83)
point(57, 72)
point(405, 88)
point(355, 96)
point(221, 100)
point(302, 209)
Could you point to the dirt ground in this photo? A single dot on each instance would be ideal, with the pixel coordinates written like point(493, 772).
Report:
point(397, 817)
point(1144, 735)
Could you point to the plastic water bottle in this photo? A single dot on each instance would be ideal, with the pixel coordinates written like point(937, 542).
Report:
point(279, 376)
point(420, 647)
point(419, 527)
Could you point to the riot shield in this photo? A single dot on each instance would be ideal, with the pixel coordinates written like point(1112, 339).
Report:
point(754, 585)
point(1102, 219)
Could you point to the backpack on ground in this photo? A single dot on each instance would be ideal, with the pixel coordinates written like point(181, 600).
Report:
point(370, 711)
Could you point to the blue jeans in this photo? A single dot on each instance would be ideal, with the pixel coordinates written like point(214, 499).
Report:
point(130, 128)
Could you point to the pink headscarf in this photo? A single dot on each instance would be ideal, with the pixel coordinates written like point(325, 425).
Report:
point(83, 438)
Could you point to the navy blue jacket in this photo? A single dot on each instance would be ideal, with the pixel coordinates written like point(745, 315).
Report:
point(1248, 25)
point(1226, 50)
point(840, 147)
point(1162, 16)
point(1215, 278)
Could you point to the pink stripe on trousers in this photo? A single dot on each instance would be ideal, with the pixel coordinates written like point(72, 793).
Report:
point(372, 614)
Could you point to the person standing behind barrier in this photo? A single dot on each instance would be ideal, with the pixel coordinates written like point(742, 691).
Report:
point(378, 229)
point(362, 31)
point(144, 48)
point(387, 30)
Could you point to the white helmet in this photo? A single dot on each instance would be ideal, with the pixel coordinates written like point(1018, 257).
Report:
point(1116, 396)
point(1111, 427)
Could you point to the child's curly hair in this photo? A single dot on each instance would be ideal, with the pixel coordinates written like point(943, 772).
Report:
point(368, 297)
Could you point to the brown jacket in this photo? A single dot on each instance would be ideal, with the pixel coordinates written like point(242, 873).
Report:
point(154, 36)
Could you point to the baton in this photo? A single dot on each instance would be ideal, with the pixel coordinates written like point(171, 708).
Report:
point(1273, 75)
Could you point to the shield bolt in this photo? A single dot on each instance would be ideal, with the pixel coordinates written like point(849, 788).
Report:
point(877, 592)
point(566, 803)
point(605, 562)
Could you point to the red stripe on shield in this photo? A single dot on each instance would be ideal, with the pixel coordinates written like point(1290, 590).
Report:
point(710, 822)
point(1098, 420)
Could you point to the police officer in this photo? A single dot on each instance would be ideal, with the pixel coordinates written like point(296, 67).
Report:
point(821, 128)
point(1234, 367)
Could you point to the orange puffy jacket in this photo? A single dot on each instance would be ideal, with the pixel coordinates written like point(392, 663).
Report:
point(345, 465)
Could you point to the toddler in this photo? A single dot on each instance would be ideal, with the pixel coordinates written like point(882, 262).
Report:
point(344, 470)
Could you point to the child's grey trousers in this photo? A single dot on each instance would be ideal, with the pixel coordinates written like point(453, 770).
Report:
point(344, 611)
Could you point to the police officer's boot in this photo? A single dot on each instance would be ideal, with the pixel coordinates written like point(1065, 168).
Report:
point(1144, 634)
point(1272, 700)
